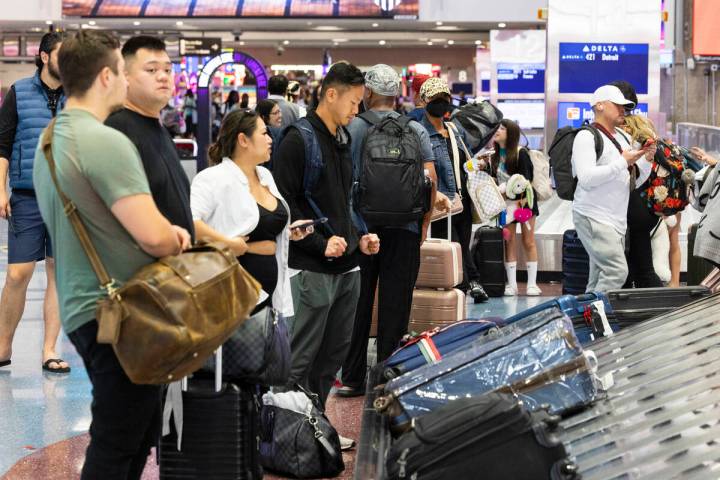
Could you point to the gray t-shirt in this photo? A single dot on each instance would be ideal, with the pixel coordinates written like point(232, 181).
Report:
point(358, 129)
point(96, 166)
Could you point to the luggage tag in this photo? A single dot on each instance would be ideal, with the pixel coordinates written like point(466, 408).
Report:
point(606, 328)
point(174, 401)
point(606, 381)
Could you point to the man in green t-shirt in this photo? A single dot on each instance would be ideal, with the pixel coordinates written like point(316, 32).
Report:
point(100, 170)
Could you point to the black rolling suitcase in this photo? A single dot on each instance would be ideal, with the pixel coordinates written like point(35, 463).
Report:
point(490, 437)
point(220, 433)
point(639, 304)
point(697, 267)
point(575, 265)
point(489, 257)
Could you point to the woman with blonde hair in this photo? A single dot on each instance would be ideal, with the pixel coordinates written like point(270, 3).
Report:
point(640, 220)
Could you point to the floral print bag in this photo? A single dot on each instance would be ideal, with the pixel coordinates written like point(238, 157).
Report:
point(666, 191)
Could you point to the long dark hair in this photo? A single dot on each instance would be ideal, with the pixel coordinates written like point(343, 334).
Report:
point(264, 108)
point(235, 123)
point(232, 98)
point(511, 148)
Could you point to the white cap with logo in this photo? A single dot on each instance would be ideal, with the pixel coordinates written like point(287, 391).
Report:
point(610, 93)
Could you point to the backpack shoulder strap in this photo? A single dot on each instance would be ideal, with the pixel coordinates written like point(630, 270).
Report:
point(369, 117)
point(403, 121)
point(314, 165)
point(598, 139)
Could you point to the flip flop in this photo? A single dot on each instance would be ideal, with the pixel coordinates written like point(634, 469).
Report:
point(46, 366)
point(5, 363)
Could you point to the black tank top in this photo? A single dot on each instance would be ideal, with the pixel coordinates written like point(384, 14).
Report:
point(264, 267)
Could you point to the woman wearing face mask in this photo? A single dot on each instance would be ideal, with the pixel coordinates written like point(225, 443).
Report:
point(508, 160)
point(436, 94)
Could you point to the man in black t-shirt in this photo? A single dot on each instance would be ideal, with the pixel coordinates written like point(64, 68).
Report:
point(150, 86)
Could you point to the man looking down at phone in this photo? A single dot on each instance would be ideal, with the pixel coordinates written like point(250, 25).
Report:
point(603, 189)
point(327, 285)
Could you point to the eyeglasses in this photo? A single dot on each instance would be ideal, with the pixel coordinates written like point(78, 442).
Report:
point(275, 114)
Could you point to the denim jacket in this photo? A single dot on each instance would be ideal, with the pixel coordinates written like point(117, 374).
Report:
point(443, 158)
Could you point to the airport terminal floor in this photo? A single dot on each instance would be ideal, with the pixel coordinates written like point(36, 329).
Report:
point(255, 178)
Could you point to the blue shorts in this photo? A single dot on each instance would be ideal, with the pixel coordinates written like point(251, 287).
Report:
point(28, 239)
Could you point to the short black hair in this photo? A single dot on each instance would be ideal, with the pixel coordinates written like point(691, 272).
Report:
point(628, 91)
point(147, 42)
point(47, 44)
point(342, 74)
point(277, 85)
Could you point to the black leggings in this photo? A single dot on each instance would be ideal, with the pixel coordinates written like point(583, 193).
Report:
point(638, 250)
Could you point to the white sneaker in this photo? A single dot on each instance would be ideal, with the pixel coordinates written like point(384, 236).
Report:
point(510, 291)
point(533, 291)
point(346, 443)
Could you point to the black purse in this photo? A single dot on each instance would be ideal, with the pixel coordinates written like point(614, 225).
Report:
point(258, 351)
point(302, 445)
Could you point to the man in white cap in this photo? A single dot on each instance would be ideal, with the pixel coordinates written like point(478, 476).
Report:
point(399, 260)
point(601, 199)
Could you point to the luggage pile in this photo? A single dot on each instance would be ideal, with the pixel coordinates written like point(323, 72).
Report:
point(582, 385)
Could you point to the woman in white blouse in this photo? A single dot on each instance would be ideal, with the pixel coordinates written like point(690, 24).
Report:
point(236, 202)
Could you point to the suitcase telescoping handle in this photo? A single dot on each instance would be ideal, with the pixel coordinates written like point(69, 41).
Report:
point(174, 402)
point(218, 372)
point(449, 226)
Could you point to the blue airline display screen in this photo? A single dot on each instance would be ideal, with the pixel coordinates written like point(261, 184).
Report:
point(573, 114)
point(586, 66)
point(521, 77)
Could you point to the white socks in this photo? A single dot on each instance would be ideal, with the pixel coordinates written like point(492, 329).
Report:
point(531, 273)
point(511, 270)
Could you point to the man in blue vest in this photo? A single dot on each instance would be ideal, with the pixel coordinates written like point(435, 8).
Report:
point(28, 107)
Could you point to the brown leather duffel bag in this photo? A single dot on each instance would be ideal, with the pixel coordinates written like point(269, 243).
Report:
point(172, 314)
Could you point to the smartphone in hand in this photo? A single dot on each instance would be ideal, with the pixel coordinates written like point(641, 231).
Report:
point(311, 223)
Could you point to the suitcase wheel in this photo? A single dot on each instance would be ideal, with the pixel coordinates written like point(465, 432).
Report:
point(382, 403)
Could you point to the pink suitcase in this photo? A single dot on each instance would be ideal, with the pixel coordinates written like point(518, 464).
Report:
point(440, 264)
point(436, 308)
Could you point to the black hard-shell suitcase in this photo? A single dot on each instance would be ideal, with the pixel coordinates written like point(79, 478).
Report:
point(575, 265)
point(697, 267)
point(220, 434)
point(490, 437)
point(489, 257)
point(635, 305)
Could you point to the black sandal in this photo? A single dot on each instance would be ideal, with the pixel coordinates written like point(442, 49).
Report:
point(5, 363)
point(46, 366)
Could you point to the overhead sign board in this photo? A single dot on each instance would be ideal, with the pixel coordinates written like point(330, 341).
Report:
point(400, 9)
point(521, 77)
point(200, 46)
point(586, 66)
point(574, 114)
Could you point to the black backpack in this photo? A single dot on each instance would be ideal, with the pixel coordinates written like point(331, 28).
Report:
point(480, 121)
point(391, 188)
point(560, 153)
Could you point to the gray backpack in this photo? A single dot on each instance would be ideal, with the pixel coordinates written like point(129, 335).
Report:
point(391, 188)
